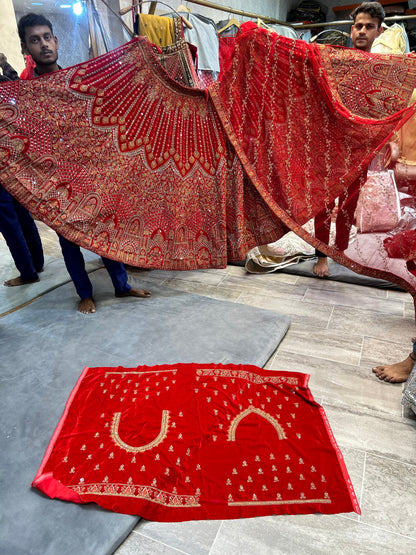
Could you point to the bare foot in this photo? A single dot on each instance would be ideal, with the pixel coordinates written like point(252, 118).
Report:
point(86, 305)
point(18, 281)
point(321, 267)
point(134, 293)
point(395, 373)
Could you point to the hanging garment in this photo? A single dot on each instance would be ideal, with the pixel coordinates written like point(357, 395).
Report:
point(124, 161)
point(283, 30)
point(392, 40)
point(192, 441)
point(204, 36)
point(228, 27)
point(226, 47)
point(177, 60)
point(161, 31)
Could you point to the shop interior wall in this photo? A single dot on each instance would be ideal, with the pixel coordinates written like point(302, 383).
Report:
point(73, 32)
point(9, 39)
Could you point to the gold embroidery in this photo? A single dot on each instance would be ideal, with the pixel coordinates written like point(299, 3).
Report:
point(278, 502)
point(140, 449)
point(149, 493)
point(233, 426)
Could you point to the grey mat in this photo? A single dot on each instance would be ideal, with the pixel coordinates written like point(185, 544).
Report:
point(54, 275)
point(44, 348)
point(337, 272)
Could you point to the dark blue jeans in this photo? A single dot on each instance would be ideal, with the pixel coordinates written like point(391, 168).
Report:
point(22, 236)
point(75, 264)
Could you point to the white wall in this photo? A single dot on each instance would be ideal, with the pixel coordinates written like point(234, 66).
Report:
point(9, 39)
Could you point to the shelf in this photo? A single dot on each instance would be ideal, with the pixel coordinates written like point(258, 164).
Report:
point(351, 7)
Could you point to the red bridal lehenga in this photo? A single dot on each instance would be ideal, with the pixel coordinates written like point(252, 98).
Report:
point(121, 159)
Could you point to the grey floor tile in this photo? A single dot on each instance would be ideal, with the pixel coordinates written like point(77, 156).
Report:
point(275, 277)
point(344, 385)
point(194, 537)
point(399, 296)
point(387, 479)
point(136, 544)
point(323, 344)
point(307, 535)
point(355, 463)
point(211, 277)
point(377, 434)
point(359, 300)
point(355, 321)
point(221, 291)
point(351, 289)
point(301, 313)
point(376, 351)
point(270, 287)
point(236, 270)
point(409, 310)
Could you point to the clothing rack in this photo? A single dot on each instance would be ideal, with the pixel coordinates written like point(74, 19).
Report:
point(393, 18)
point(268, 19)
point(227, 9)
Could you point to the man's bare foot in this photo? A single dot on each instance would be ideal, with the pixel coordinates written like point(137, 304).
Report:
point(135, 293)
point(86, 305)
point(395, 373)
point(321, 267)
point(18, 281)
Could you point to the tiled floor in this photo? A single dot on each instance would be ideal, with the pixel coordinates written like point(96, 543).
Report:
point(338, 332)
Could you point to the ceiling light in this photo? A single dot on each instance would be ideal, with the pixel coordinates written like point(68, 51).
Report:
point(77, 8)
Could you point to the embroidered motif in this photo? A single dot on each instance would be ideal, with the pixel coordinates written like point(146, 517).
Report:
point(139, 449)
point(250, 410)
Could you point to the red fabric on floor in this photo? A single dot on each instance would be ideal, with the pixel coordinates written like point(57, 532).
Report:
point(191, 441)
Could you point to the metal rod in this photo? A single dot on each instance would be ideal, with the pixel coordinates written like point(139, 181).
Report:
point(214, 6)
point(268, 19)
point(140, 2)
point(343, 22)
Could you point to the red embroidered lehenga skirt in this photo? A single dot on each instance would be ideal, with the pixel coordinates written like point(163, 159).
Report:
point(121, 159)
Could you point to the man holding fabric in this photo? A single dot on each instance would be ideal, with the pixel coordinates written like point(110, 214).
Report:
point(38, 40)
point(368, 18)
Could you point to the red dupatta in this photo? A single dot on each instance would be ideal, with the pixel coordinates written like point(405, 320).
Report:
point(307, 120)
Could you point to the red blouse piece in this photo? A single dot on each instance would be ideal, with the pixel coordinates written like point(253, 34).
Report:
point(193, 441)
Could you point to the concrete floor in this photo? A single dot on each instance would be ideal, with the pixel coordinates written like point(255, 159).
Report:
point(338, 332)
